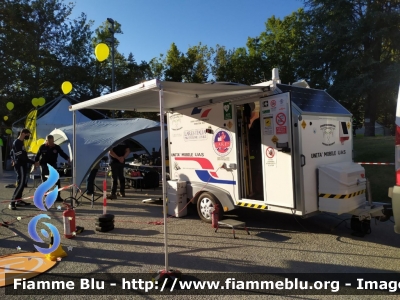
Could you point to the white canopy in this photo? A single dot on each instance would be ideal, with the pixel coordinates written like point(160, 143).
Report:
point(95, 138)
point(145, 97)
point(160, 96)
point(57, 117)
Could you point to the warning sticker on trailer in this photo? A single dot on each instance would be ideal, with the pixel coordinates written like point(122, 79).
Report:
point(270, 152)
point(227, 111)
point(270, 160)
point(268, 125)
point(280, 119)
point(281, 130)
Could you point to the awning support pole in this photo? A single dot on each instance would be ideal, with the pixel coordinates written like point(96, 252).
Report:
point(73, 158)
point(164, 177)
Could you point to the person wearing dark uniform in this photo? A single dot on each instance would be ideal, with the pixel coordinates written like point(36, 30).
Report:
point(256, 162)
point(48, 154)
point(21, 161)
point(91, 178)
point(117, 163)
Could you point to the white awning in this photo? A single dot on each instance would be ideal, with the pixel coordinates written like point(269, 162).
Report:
point(145, 96)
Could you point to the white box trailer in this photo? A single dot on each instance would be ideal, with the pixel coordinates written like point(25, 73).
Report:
point(271, 146)
point(301, 162)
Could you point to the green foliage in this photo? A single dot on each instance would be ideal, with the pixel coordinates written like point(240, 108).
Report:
point(357, 47)
point(42, 48)
point(281, 46)
point(351, 48)
point(377, 149)
point(194, 66)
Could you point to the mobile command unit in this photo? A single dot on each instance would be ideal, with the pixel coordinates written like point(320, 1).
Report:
point(288, 151)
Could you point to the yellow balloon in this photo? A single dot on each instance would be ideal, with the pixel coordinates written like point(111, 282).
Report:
point(40, 142)
point(8, 131)
point(102, 51)
point(5, 118)
point(41, 101)
point(66, 87)
point(10, 105)
point(34, 148)
point(35, 102)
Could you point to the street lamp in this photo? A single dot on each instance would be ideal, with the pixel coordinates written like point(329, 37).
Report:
point(112, 55)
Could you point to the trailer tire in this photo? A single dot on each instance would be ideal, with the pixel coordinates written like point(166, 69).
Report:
point(204, 203)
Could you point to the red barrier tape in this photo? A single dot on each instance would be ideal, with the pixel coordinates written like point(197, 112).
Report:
point(31, 197)
point(370, 163)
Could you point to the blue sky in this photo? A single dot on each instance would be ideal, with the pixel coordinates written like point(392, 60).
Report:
point(150, 26)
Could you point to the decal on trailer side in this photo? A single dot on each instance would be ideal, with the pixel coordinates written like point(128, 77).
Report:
point(327, 134)
point(194, 135)
point(327, 153)
point(176, 122)
point(204, 113)
point(222, 142)
point(203, 174)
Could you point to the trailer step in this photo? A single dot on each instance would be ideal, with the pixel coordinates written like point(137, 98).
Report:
point(232, 224)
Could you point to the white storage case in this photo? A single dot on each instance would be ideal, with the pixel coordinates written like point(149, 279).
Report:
point(176, 186)
point(176, 205)
point(341, 187)
point(177, 198)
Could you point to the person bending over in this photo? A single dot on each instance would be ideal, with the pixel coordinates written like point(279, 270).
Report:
point(48, 154)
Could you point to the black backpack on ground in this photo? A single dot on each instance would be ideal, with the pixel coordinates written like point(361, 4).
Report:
point(151, 180)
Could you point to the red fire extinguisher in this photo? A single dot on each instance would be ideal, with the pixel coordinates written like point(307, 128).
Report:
point(215, 216)
point(69, 222)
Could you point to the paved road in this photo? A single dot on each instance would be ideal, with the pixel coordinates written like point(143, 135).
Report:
point(277, 243)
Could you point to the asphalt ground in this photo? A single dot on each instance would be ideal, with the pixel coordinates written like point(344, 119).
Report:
point(277, 243)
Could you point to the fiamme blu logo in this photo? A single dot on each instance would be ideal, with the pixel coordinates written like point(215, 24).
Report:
point(49, 201)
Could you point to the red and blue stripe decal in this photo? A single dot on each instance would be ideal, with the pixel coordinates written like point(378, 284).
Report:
point(197, 111)
point(204, 175)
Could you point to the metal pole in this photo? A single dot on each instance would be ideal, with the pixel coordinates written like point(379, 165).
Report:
point(164, 177)
point(1, 162)
point(113, 74)
point(74, 158)
point(369, 193)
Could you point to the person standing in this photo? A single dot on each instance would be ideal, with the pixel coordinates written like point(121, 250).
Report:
point(48, 154)
point(117, 163)
point(21, 161)
point(91, 178)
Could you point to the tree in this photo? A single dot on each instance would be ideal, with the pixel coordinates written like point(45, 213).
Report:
point(194, 66)
point(41, 49)
point(280, 46)
point(357, 47)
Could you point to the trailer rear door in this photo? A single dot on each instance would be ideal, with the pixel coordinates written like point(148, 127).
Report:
point(277, 147)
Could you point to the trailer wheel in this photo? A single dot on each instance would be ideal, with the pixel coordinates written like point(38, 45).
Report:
point(204, 204)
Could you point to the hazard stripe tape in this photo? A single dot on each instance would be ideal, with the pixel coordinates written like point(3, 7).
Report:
point(370, 163)
point(252, 205)
point(333, 196)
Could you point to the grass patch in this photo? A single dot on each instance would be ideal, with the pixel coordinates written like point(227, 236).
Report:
point(377, 149)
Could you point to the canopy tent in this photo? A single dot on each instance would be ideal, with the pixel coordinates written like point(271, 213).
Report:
point(57, 117)
point(55, 114)
point(95, 138)
point(160, 96)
